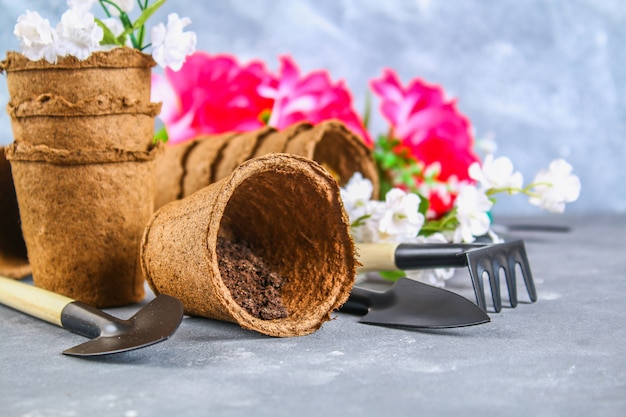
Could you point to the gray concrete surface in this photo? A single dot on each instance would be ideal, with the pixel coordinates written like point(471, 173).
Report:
point(563, 355)
point(544, 79)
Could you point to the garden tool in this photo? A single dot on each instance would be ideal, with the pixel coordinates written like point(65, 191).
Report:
point(410, 303)
point(153, 323)
point(480, 259)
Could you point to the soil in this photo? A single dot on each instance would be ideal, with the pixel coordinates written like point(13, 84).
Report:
point(253, 285)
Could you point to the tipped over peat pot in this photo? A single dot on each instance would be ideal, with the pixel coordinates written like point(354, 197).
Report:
point(83, 169)
point(288, 210)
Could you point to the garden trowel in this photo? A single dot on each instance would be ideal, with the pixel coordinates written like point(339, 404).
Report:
point(410, 303)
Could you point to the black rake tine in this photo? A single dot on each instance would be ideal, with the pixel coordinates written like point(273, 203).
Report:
point(511, 282)
point(493, 259)
point(494, 283)
point(477, 282)
point(479, 261)
point(516, 255)
point(505, 261)
point(525, 267)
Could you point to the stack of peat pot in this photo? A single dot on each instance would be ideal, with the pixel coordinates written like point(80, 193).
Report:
point(83, 167)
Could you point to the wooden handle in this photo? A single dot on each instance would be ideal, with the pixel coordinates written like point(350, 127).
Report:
point(410, 256)
point(44, 305)
point(377, 256)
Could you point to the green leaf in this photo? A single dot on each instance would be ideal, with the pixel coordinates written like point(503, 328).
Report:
point(368, 109)
point(448, 223)
point(161, 136)
point(147, 12)
point(108, 38)
point(424, 205)
point(265, 116)
point(392, 275)
point(389, 160)
point(360, 221)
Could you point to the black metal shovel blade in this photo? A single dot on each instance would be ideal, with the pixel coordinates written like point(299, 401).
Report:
point(153, 323)
point(414, 304)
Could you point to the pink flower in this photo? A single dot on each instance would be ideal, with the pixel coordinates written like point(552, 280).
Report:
point(445, 140)
point(431, 128)
point(402, 107)
point(211, 94)
point(312, 98)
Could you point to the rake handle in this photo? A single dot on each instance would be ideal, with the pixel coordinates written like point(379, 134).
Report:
point(411, 256)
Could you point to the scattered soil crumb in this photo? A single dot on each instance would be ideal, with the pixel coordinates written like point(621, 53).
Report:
point(252, 284)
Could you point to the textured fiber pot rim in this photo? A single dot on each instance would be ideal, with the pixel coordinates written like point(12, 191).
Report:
point(320, 267)
point(43, 153)
point(53, 105)
point(123, 57)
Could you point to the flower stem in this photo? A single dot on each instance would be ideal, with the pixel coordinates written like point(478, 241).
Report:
point(142, 31)
point(106, 9)
point(511, 190)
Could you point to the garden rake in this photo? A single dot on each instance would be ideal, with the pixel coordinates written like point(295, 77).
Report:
point(481, 259)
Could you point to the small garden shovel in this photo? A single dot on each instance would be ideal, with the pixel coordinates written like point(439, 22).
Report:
point(153, 323)
point(413, 304)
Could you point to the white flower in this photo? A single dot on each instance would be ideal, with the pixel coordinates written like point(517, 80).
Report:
point(486, 145)
point(401, 218)
point(125, 5)
point(555, 187)
point(472, 207)
point(496, 174)
point(81, 4)
point(171, 45)
point(356, 195)
point(79, 33)
point(115, 26)
point(367, 231)
point(396, 219)
point(36, 37)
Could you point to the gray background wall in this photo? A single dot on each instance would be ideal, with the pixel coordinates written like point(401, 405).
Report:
point(544, 78)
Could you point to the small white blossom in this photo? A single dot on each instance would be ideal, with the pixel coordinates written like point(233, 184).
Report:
point(36, 37)
point(367, 231)
point(85, 5)
point(79, 33)
point(401, 217)
point(170, 44)
point(356, 195)
point(496, 174)
point(494, 237)
point(472, 207)
point(396, 219)
point(433, 170)
point(555, 187)
point(486, 145)
point(115, 26)
point(125, 5)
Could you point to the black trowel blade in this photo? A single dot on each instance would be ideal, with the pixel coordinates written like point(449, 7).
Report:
point(414, 304)
point(154, 323)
